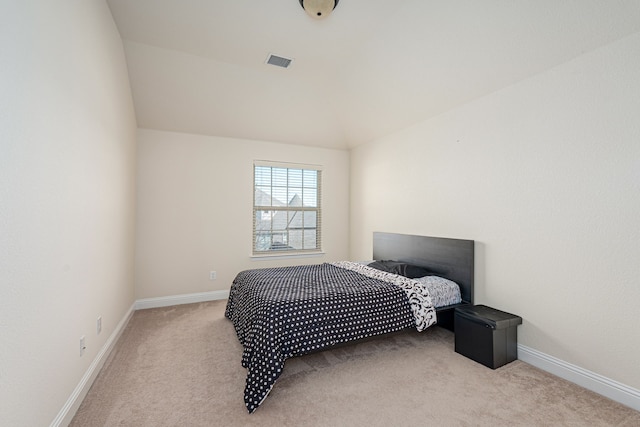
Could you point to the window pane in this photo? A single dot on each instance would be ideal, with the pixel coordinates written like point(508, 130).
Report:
point(279, 196)
point(262, 196)
point(262, 220)
point(310, 220)
point(294, 220)
point(295, 239)
point(262, 233)
point(310, 178)
point(310, 239)
point(262, 241)
point(279, 177)
point(276, 228)
point(279, 220)
point(295, 177)
point(294, 196)
point(279, 241)
point(310, 199)
point(262, 175)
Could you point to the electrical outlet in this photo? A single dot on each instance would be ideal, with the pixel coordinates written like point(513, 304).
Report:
point(212, 275)
point(83, 347)
point(99, 325)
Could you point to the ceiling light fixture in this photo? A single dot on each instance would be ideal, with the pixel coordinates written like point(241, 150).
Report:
point(318, 9)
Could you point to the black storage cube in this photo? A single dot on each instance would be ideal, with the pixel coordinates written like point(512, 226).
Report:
point(486, 335)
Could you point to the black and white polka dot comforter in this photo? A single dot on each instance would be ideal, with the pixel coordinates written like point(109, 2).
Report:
point(279, 313)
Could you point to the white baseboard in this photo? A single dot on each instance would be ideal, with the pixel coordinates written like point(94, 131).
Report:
point(142, 304)
point(590, 380)
point(70, 408)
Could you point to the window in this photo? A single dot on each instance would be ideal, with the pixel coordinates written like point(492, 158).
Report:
point(286, 208)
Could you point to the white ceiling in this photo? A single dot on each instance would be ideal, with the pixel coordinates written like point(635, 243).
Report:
point(371, 68)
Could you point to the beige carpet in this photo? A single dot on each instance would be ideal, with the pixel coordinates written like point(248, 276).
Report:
point(180, 366)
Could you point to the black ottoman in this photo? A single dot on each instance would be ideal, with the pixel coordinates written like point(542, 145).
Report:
point(486, 335)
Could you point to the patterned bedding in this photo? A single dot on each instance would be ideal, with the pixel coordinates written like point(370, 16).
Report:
point(279, 313)
point(443, 291)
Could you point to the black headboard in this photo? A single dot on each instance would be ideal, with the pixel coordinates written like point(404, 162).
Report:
point(450, 258)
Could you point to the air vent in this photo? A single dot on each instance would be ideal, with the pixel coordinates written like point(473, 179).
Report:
point(279, 61)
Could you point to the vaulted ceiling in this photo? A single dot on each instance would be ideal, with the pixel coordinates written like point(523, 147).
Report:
point(371, 68)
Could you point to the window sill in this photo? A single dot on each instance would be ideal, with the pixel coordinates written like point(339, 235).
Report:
point(285, 256)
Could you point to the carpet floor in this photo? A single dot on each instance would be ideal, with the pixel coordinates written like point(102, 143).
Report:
point(180, 366)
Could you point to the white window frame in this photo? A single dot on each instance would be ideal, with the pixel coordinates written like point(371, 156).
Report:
point(296, 237)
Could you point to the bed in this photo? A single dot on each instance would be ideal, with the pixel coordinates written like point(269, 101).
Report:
point(284, 312)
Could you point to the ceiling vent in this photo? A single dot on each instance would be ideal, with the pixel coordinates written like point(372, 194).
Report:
point(279, 61)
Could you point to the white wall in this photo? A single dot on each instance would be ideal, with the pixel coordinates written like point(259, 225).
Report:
point(194, 211)
point(67, 158)
point(545, 176)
